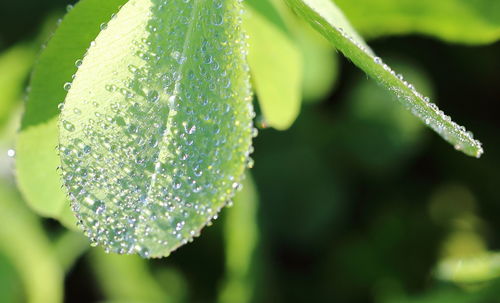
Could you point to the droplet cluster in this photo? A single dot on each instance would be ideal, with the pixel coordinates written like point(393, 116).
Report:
point(154, 143)
point(420, 105)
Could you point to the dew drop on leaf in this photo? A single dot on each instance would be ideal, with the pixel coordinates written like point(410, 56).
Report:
point(67, 86)
point(68, 126)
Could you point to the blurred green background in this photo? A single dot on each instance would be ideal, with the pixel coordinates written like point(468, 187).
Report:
point(356, 202)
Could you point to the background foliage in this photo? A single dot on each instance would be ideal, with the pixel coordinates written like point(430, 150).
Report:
point(356, 202)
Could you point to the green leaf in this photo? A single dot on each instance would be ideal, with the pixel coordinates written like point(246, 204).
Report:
point(69, 247)
point(36, 159)
point(321, 64)
point(15, 65)
point(318, 58)
point(464, 21)
point(10, 282)
point(241, 235)
point(470, 270)
point(127, 279)
point(22, 240)
point(157, 126)
point(276, 67)
point(326, 18)
point(443, 293)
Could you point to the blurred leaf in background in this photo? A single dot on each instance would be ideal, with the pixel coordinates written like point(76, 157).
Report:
point(321, 64)
point(15, 65)
point(24, 242)
point(320, 61)
point(127, 279)
point(276, 68)
point(37, 159)
point(241, 233)
point(10, 284)
point(462, 21)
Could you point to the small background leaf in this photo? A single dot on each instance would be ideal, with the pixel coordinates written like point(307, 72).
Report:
point(22, 240)
point(241, 234)
point(127, 279)
point(37, 141)
point(10, 283)
point(320, 66)
point(276, 67)
point(464, 21)
point(15, 65)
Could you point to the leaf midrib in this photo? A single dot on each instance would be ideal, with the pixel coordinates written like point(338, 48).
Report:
point(185, 48)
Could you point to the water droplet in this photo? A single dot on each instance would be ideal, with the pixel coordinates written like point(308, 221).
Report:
point(218, 20)
point(87, 149)
point(68, 126)
point(171, 101)
point(250, 163)
point(153, 96)
point(111, 87)
point(67, 86)
point(11, 153)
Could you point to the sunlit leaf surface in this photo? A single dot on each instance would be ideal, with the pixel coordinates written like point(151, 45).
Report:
point(156, 128)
